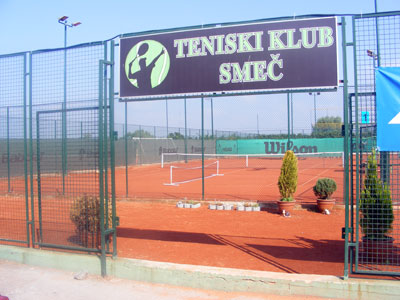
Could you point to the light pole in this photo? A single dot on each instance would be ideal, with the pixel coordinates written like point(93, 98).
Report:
point(64, 21)
point(315, 106)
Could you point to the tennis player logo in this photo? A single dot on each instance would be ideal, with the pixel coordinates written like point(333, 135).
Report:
point(147, 64)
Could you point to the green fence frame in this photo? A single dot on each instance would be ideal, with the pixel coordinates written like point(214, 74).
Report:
point(374, 44)
point(13, 108)
point(40, 87)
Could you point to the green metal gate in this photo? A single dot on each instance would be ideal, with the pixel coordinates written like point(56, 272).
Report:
point(14, 217)
point(57, 149)
point(75, 205)
point(373, 217)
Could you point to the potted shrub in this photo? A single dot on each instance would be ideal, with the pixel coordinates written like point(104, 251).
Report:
point(376, 213)
point(324, 189)
point(85, 214)
point(287, 181)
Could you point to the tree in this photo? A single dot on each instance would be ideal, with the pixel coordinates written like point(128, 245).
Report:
point(176, 136)
point(139, 134)
point(375, 204)
point(287, 181)
point(327, 127)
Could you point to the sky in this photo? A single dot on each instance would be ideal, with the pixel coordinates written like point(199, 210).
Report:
point(30, 25)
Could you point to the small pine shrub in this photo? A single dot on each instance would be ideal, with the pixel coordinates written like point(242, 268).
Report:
point(375, 204)
point(85, 214)
point(324, 188)
point(287, 181)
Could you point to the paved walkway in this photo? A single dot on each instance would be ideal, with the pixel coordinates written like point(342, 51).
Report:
point(25, 282)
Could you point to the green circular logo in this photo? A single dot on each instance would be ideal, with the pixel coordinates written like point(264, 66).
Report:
point(147, 64)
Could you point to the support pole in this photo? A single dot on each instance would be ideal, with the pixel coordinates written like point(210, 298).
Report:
point(126, 149)
point(291, 112)
point(202, 148)
point(166, 114)
point(212, 118)
point(101, 168)
point(186, 146)
point(8, 150)
point(288, 116)
point(346, 152)
point(64, 116)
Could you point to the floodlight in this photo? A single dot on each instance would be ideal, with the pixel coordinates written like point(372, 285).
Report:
point(63, 18)
point(370, 53)
point(76, 24)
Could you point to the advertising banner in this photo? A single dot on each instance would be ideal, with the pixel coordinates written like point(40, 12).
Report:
point(388, 108)
point(241, 59)
point(279, 146)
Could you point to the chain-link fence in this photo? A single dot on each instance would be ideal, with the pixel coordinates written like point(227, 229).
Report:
point(55, 156)
point(13, 150)
point(375, 192)
point(263, 125)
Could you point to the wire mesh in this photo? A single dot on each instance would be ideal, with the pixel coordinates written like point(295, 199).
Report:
point(57, 195)
point(376, 177)
point(232, 126)
point(65, 132)
point(13, 200)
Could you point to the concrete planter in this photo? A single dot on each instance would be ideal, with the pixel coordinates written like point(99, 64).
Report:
point(212, 206)
point(197, 205)
point(228, 207)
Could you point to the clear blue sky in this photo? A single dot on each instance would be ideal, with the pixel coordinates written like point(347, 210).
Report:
point(32, 24)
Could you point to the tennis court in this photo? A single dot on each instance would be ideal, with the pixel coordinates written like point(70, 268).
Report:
point(227, 177)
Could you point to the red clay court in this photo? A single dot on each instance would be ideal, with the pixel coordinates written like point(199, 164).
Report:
point(308, 242)
point(256, 182)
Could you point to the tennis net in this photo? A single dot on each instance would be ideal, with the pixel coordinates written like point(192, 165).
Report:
point(316, 160)
point(184, 174)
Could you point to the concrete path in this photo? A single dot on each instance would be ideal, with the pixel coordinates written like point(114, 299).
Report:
point(25, 282)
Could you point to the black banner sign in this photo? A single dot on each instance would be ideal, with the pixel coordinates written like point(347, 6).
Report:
point(284, 55)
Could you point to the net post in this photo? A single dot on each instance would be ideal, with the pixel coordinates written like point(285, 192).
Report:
point(170, 174)
point(247, 160)
point(162, 160)
point(342, 159)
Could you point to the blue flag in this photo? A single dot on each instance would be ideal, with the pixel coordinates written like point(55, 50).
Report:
point(388, 108)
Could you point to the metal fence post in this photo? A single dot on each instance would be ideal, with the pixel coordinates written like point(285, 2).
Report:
point(101, 170)
point(126, 150)
point(202, 148)
point(346, 151)
point(8, 150)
